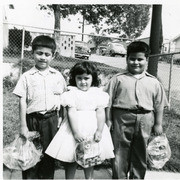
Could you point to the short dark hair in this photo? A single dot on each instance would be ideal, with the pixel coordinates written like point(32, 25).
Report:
point(44, 41)
point(138, 46)
point(81, 68)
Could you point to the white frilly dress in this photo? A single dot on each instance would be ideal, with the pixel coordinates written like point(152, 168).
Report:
point(63, 145)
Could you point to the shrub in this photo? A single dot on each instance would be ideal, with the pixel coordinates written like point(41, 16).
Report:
point(177, 61)
point(165, 59)
point(9, 83)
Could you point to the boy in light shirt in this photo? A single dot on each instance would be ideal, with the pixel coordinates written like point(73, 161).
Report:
point(38, 90)
point(137, 100)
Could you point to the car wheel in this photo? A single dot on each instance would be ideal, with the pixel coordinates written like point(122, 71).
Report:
point(111, 53)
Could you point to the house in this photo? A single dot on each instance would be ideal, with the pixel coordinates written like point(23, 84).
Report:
point(176, 43)
point(5, 29)
point(168, 46)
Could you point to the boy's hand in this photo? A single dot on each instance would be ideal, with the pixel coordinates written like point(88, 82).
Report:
point(158, 130)
point(24, 131)
point(109, 124)
point(97, 136)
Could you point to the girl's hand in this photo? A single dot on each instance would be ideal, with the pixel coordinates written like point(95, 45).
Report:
point(158, 130)
point(78, 138)
point(97, 136)
point(59, 122)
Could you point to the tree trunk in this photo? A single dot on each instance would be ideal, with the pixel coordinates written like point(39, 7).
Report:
point(57, 25)
point(155, 38)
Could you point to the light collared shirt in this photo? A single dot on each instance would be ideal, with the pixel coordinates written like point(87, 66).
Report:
point(132, 92)
point(41, 89)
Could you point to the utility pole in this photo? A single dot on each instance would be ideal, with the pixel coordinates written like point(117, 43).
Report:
point(83, 29)
point(155, 35)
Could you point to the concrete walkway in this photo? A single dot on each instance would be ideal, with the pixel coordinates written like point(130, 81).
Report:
point(99, 174)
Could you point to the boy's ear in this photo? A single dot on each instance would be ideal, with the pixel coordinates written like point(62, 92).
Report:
point(54, 55)
point(126, 59)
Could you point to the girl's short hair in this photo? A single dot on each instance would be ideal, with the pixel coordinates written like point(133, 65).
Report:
point(44, 41)
point(138, 46)
point(81, 68)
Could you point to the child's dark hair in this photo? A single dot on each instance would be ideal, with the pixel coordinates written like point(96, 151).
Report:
point(44, 41)
point(138, 46)
point(81, 68)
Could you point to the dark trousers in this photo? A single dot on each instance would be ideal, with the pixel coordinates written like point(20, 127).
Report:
point(46, 125)
point(130, 135)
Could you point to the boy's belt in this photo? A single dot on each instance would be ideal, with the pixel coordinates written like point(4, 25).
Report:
point(46, 115)
point(137, 111)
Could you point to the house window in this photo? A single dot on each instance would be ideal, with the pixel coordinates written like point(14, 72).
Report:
point(11, 6)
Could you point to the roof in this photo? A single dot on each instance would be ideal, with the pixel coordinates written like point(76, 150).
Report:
point(177, 37)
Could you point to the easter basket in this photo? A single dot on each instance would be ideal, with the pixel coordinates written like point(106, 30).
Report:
point(87, 153)
point(22, 154)
point(158, 151)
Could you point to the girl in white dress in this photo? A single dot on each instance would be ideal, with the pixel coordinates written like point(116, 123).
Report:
point(85, 104)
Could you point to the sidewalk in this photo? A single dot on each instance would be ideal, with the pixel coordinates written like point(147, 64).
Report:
point(99, 174)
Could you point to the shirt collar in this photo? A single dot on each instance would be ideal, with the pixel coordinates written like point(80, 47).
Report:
point(138, 76)
point(34, 70)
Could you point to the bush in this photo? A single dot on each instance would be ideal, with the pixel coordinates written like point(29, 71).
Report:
point(177, 61)
point(166, 59)
point(9, 83)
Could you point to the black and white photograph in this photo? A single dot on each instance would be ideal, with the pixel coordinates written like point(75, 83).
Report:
point(90, 90)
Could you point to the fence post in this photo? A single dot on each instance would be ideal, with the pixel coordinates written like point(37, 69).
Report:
point(22, 49)
point(170, 80)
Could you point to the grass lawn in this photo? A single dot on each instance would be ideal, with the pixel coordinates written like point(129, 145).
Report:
point(11, 125)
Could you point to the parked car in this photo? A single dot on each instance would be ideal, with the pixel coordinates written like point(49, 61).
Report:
point(101, 50)
point(82, 50)
point(115, 48)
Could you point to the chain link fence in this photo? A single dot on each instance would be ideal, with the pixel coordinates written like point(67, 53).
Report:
point(17, 54)
point(71, 48)
point(169, 75)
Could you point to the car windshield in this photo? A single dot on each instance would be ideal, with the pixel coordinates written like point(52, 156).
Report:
point(81, 47)
point(117, 44)
point(81, 43)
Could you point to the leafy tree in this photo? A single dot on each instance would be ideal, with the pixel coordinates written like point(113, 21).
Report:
point(128, 20)
point(100, 39)
point(60, 11)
